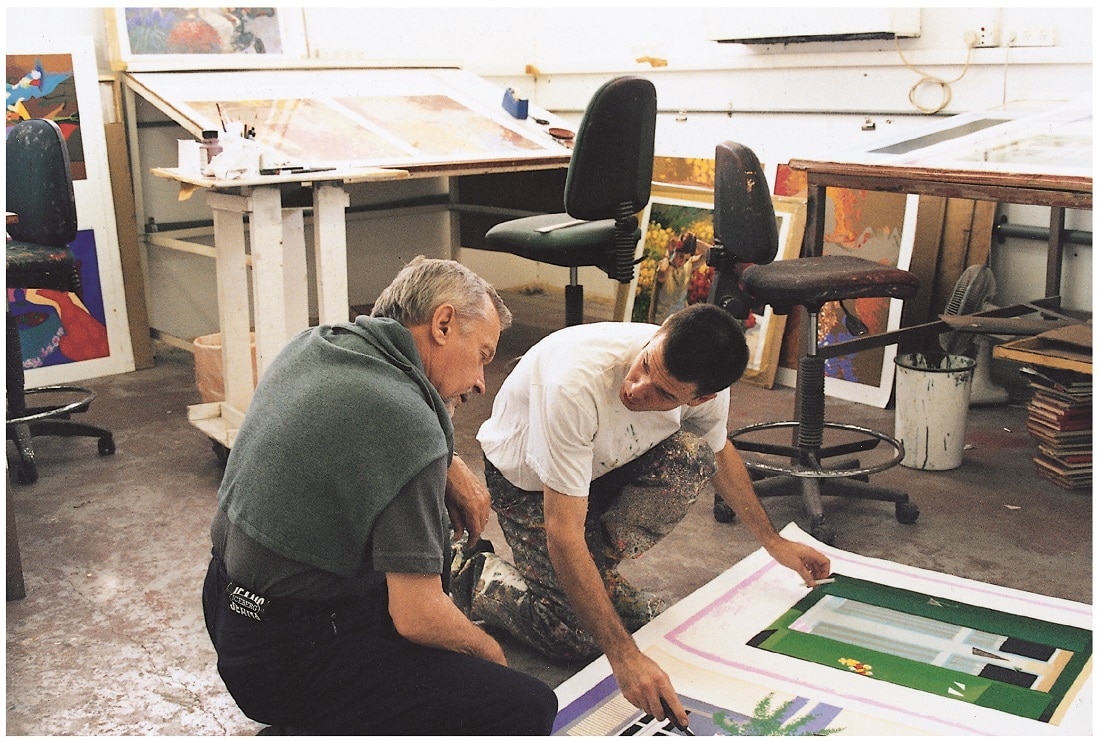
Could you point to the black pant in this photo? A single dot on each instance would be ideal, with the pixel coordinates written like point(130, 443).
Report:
point(341, 668)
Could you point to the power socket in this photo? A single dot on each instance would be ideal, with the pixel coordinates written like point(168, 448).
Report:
point(1040, 36)
point(982, 36)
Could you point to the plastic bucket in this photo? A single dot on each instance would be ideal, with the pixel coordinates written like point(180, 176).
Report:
point(209, 376)
point(933, 397)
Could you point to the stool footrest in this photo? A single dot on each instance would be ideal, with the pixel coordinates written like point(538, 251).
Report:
point(43, 413)
point(796, 468)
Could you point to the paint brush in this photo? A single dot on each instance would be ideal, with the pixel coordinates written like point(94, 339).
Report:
point(675, 722)
point(221, 116)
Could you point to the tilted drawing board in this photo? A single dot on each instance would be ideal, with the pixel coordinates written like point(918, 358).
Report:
point(363, 117)
point(755, 652)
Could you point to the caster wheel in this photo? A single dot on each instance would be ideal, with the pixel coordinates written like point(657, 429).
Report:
point(906, 512)
point(106, 446)
point(723, 513)
point(822, 533)
point(222, 452)
point(26, 473)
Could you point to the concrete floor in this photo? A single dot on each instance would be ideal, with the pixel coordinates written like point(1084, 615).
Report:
point(110, 638)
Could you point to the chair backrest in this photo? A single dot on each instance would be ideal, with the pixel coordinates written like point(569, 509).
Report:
point(612, 161)
point(744, 216)
point(40, 184)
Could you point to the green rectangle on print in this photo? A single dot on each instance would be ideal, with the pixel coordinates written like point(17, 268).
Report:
point(953, 684)
point(922, 676)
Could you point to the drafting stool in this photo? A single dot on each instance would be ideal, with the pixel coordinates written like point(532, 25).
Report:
point(40, 194)
point(745, 233)
point(608, 182)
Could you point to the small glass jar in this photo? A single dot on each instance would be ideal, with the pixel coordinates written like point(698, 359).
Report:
point(211, 146)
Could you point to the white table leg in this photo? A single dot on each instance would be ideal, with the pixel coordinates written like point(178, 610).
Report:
point(231, 268)
point(278, 252)
point(330, 246)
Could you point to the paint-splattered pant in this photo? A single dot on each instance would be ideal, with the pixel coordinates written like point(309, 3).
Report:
point(629, 510)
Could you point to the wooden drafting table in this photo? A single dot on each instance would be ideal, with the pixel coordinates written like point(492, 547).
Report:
point(371, 125)
point(278, 261)
point(1039, 159)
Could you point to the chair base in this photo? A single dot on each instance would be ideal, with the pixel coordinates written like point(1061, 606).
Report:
point(40, 421)
point(805, 474)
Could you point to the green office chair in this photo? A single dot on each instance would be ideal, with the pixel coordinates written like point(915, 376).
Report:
point(608, 182)
point(745, 276)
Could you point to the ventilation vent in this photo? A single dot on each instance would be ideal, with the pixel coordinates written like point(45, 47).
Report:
point(799, 25)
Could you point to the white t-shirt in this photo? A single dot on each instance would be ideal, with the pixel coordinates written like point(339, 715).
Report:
point(558, 421)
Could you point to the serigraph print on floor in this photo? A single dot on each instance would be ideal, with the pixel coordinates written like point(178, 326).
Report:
point(886, 649)
point(741, 708)
point(963, 652)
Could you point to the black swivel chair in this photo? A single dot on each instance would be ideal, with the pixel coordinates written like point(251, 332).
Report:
point(608, 182)
point(745, 245)
point(40, 194)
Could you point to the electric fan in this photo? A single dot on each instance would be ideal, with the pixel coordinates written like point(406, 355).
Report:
point(972, 293)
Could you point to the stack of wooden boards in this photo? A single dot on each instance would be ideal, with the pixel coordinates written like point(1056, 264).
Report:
point(1060, 420)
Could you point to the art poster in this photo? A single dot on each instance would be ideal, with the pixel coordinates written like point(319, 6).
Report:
point(59, 327)
point(200, 38)
point(42, 86)
point(674, 273)
point(66, 338)
point(884, 650)
point(872, 225)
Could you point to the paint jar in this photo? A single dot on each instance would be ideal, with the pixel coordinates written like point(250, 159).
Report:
point(933, 398)
point(211, 146)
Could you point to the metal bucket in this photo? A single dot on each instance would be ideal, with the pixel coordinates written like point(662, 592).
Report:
point(933, 398)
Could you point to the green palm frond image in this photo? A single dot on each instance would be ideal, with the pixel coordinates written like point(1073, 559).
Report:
point(766, 722)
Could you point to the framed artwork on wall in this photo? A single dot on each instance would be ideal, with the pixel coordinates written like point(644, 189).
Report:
point(145, 39)
point(674, 272)
point(68, 338)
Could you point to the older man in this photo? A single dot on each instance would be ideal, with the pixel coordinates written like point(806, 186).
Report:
point(325, 597)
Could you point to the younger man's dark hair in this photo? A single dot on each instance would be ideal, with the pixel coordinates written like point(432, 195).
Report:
point(705, 345)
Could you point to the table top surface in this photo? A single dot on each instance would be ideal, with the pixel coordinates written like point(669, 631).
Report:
point(346, 175)
point(1045, 150)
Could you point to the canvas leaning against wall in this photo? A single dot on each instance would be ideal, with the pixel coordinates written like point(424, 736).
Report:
point(871, 225)
point(65, 337)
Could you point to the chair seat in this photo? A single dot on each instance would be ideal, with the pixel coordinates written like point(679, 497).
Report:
point(30, 265)
point(557, 239)
point(811, 282)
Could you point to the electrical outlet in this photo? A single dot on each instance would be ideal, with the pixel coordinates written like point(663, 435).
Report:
point(1038, 36)
point(983, 36)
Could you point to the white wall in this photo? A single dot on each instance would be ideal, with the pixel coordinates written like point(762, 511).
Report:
point(784, 100)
